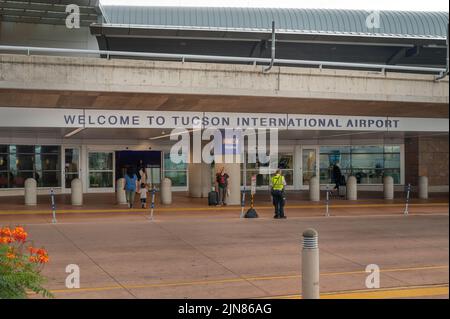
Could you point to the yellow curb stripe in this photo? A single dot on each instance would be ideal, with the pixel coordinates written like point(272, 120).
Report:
point(233, 280)
point(201, 209)
point(383, 293)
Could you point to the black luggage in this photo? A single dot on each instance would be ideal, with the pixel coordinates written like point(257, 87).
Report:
point(213, 198)
point(251, 213)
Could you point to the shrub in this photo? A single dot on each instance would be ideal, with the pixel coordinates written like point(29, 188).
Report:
point(20, 265)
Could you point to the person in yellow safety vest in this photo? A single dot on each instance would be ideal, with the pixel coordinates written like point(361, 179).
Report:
point(277, 186)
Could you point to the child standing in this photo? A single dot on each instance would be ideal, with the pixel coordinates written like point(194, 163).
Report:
point(143, 192)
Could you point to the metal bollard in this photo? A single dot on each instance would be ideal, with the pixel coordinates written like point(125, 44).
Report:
point(310, 265)
point(242, 203)
point(327, 210)
point(406, 212)
point(152, 205)
point(52, 195)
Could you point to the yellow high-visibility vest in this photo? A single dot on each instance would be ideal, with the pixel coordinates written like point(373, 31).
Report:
point(278, 182)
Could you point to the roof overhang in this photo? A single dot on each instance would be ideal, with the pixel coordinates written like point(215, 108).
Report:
point(158, 31)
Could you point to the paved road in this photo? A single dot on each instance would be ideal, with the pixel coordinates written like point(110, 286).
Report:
point(227, 257)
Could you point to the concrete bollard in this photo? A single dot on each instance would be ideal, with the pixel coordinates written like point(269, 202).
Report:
point(77, 192)
point(388, 187)
point(310, 265)
point(352, 188)
point(423, 187)
point(314, 189)
point(30, 188)
point(166, 191)
point(121, 197)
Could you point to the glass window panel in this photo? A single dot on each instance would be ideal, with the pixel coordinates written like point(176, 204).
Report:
point(367, 149)
point(50, 162)
point(50, 179)
point(367, 161)
point(100, 179)
point(334, 149)
point(392, 160)
point(178, 178)
point(392, 149)
point(50, 149)
point(19, 179)
point(286, 161)
point(25, 149)
point(169, 165)
point(4, 180)
point(288, 176)
point(3, 162)
point(25, 162)
point(100, 161)
point(3, 148)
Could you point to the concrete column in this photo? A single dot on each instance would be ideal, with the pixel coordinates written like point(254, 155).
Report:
point(121, 197)
point(388, 187)
point(30, 188)
point(234, 182)
point(166, 191)
point(352, 191)
point(77, 192)
point(297, 167)
point(199, 179)
point(423, 187)
point(314, 189)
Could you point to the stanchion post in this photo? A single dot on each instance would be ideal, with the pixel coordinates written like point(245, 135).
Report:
point(408, 192)
point(327, 211)
point(152, 204)
point(310, 265)
point(242, 203)
point(52, 196)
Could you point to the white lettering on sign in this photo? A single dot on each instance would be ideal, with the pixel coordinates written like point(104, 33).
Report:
point(55, 117)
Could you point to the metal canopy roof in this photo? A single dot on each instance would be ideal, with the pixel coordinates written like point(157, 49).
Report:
point(47, 11)
point(398, 24)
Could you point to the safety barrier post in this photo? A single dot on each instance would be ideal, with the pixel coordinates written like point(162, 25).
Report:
point(152, 204)
point(242, 203)
point(52, 196)
point(310, 265)
point(406, 212)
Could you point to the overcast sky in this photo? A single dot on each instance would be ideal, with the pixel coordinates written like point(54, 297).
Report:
point(417, 5)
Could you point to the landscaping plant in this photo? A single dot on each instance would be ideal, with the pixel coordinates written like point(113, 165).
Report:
point(20, 265)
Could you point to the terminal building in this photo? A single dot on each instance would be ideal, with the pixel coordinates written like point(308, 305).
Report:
point(367, 90)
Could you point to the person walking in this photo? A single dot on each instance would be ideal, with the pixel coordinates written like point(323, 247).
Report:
point(130, 186)
point(277, 186)
point(337, 176)
point(222, 186)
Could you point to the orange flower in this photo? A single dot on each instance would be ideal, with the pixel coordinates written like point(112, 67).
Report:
point(43, 259)
point(33, 259)
point(19, 234)
point(41, 252)
point(32, 250)
point(5, 232)
point(6, 240)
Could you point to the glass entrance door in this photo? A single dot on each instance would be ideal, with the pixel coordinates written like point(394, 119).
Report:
point(309, 164)
point(71, 168)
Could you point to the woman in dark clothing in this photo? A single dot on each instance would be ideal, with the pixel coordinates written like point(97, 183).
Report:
point(337, 176)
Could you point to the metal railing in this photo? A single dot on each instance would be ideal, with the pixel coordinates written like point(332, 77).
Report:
point(228, 59)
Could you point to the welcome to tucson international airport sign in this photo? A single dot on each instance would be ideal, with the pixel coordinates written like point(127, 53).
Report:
point(88, 118)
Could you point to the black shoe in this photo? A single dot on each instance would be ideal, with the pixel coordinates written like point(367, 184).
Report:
point(282, 217)
point(276, 217)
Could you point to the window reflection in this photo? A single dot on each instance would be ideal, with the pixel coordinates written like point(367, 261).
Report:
point(19, 162)
point(368, 163)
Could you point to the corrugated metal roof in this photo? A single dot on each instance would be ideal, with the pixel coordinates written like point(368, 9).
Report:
point(320, 21)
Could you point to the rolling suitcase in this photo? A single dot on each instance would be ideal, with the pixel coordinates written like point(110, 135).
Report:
point(213, 198)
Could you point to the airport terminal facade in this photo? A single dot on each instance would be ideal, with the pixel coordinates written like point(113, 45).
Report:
point(77, 114)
